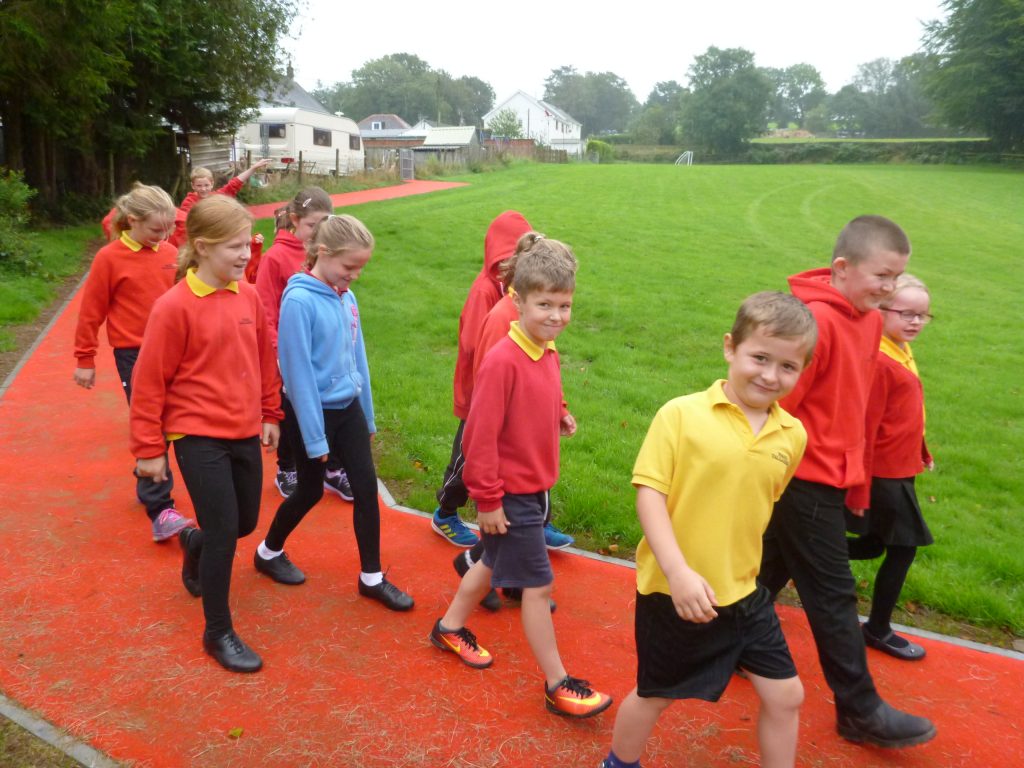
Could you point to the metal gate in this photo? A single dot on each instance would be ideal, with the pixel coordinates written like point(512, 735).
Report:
point(407, 163)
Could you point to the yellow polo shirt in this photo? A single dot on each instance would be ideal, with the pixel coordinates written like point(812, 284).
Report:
point(721, 482)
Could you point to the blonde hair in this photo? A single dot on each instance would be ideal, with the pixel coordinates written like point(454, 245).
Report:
point(865, 235)
point(201, 173)
point(306, 201)
point(142, 202)
point(213, 220)
point(777, 314)
point(338, 233)
point(540, 264)
point(904, 281)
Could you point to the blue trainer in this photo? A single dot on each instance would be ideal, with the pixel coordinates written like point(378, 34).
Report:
point(556, 539)
point(453, 530)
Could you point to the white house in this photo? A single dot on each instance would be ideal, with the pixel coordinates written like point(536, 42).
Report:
point(543, 122)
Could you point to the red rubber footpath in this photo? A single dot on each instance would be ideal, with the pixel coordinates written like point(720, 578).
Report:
point(98, 636)
point(346, 199)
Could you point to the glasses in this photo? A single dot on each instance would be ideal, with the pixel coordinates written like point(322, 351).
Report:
point(909, 316)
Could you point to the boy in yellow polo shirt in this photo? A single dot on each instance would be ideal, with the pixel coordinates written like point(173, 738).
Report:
point(711, 467)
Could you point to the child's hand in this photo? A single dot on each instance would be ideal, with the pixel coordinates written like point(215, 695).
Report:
point(567, 427)
point(271, 437)
point(261, 163)
point(930, 466)
point(493, 522)
point(856, 512)
point(258, 238)
point(85, 377)
point(155, 468)
point(692, 596)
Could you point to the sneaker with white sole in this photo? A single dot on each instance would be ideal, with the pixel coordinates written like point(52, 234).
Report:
point(286, 481)
point(452, 529)
point(556, 539)
point(169, 524)
point(337, 482)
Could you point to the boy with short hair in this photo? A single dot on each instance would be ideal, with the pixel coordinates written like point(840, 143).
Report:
point(511, 441)
point(709, 470)
point(806, 540)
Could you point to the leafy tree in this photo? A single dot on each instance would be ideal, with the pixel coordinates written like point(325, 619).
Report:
point(847, 108)
point(886, 100)
point(506, 123)
point(601, 101)
point(728, 100)
point(656, 121)
point(978, 81)
point(86, 83)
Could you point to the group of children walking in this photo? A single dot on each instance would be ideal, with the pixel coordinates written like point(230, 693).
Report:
point(817, 428)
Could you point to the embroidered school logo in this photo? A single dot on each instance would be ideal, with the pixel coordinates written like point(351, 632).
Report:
point(245, 321)
point(781, 457)
point(172, 265)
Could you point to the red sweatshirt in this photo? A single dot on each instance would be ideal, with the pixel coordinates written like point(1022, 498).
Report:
point(499, 243)
point(124, 281)
point(179, 236)
point(282, 260)
point(831, 398)
point(894, 427)
point(206, 368)
point(511, 436)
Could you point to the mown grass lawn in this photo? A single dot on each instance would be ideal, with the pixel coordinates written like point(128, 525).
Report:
point(666, 255)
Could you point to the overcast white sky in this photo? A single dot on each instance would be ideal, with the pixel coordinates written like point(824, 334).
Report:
point(515, 45)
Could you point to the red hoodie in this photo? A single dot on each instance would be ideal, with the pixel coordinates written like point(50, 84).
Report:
point(499, 243)
point(831, 398)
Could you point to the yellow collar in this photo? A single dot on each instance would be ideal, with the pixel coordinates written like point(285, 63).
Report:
point(135, 246)
point(901, 354)
point(535, 351)
point(201, 289)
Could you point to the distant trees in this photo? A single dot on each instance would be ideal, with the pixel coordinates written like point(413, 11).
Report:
point(796, 91)
point(92, 84)
point(728, 100)
point(657, 121)
point(406, 85)
point(601, 101)
point(977, 78)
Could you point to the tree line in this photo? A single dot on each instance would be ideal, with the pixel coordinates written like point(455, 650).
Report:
point(93, 93)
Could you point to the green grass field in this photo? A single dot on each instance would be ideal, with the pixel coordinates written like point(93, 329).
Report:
point(666, 255)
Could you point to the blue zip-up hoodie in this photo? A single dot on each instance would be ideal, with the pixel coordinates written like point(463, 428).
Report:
point(322, 355)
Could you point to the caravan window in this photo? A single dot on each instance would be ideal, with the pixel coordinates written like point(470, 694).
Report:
point(353, 141)
point(275, 130)
point(321, 137)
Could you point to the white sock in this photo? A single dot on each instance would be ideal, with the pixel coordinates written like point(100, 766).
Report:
point(371, 579)
point(265, 553)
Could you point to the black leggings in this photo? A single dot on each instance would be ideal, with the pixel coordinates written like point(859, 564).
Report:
point(349, 439)
point(225, 480)
point(892, 574)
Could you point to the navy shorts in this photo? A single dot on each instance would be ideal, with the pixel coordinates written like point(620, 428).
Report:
point(678, 659)
point(519, 558)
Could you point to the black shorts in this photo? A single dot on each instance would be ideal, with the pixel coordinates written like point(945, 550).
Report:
point(519, 558)
point(678, 659)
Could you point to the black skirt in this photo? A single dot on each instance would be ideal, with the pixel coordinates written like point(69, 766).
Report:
point(895, 516)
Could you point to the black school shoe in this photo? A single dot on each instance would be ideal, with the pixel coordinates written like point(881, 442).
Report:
point(231, 653)
point(491, 600)
point(189, 563)
point(893, 644)
point(279, 568)
point(885, 727)
point(388, 594)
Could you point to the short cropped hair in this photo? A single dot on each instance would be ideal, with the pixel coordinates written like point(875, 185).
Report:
point(776, 314)
point(865, 235)
point(542, 264)
point(201, 173)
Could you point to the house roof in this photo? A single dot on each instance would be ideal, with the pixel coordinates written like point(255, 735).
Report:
point(450, 136)
point(394, 121)
point(548, 107)
point(290, 94)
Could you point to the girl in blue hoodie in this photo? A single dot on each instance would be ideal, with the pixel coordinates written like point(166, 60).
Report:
point(323, 364)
